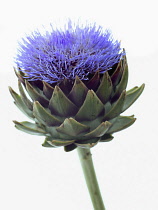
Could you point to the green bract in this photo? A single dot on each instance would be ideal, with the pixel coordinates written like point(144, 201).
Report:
point(77, 113)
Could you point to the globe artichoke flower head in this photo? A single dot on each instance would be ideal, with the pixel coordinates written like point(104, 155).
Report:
point(72, 85)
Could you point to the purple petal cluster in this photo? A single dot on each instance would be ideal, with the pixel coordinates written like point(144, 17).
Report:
point(74, 51)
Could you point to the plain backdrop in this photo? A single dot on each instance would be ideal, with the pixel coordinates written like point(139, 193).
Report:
point(33, 177)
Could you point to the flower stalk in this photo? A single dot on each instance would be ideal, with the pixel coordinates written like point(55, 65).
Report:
point(85, 157)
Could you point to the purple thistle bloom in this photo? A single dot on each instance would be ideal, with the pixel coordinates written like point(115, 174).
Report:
point(75, 51)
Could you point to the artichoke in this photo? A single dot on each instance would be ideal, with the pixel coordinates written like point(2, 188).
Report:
point(77, 113)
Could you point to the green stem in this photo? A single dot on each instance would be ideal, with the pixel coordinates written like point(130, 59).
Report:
point(90, 177)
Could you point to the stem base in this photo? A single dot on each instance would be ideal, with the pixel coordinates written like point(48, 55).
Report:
point(85, 157)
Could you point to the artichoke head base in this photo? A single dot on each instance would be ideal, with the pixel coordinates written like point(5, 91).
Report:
point(77, 113)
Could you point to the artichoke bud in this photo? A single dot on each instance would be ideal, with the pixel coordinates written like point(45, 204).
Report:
point(77, 113)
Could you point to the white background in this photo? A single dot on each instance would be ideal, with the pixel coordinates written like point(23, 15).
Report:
point(33, 177)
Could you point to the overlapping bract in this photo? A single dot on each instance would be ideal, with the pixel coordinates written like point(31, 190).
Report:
point(78, 113)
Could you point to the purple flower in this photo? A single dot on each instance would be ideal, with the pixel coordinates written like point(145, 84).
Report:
point(75, 51)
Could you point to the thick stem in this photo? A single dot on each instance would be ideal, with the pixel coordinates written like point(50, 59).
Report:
point(90, 177)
